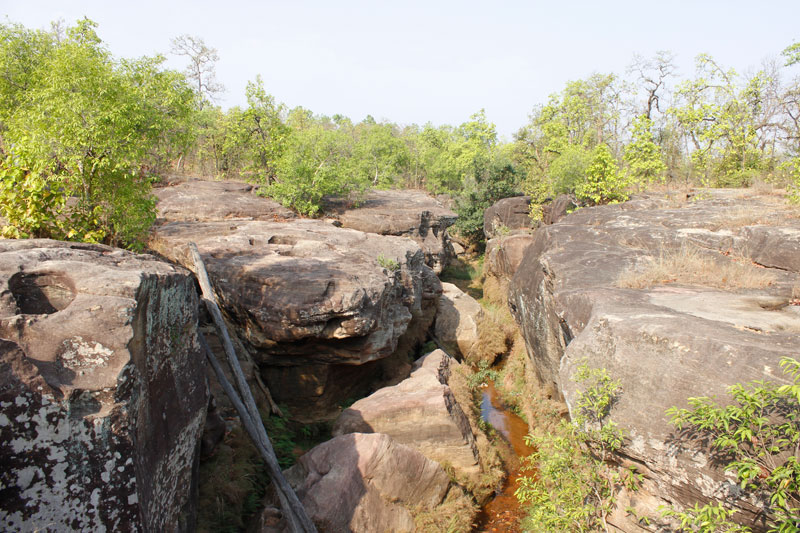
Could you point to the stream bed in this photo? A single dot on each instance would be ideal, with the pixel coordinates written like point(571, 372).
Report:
point(503, 512)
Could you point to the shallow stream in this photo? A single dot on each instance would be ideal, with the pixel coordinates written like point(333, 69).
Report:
point(503, 512)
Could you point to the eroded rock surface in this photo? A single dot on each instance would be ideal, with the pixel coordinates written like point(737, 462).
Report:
point(456, 323)
point(317, 306)
point(420, 412)
point(199, 200)
point(102, 389)
point(366, 483)
point(666, 342)
point(407, 213)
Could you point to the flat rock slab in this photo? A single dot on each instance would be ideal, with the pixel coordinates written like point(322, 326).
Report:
point(406, 213)
point(366, 483)
point(308, 298)
point(420, 412)
point(204, 201)
point(457, 319)
point(102, 389)
point(667, 342)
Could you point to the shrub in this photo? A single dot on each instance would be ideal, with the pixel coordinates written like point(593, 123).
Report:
point(758, 436)
point(603, 184)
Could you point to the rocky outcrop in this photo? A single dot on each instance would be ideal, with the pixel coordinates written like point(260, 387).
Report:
point(202, 201)
point(507, 215)
point(420, 412)
point(457, 320)
point(508, 228)
point(664, 342)
point(406, 213)
point(102, 389)
point(365, 483)
point(504, 254)
point(316, 306)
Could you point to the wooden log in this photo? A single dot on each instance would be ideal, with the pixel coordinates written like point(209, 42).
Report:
point(292, 507)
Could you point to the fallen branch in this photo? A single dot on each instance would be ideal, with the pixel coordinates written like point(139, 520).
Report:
point(246, 406)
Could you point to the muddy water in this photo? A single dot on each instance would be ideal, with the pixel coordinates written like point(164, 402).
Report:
point(502, 513)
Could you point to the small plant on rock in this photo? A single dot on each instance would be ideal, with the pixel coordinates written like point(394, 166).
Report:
point(575, 488)
point(389, 264)
point(758, 436)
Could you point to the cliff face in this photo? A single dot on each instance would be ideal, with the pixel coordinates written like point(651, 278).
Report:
point(725, 310)
point(102, 389)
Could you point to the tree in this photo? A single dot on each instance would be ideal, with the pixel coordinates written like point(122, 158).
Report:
point(202, 66)
point(653, 74)
point(720, 117)
point(642, 155)
point(604, 184)
point(83, 127)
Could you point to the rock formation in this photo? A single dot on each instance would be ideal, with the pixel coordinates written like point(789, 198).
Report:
point(198, 201)
point(316, 305)
point(678, 338)
point(102, 389)
point(457, 320)
point(365, 483)
point(420, 412)
point(406, 213)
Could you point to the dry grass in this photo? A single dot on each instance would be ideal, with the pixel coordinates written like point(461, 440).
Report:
point(753, 215)
point(454, 515)
point(692, 266)
point(231, 484)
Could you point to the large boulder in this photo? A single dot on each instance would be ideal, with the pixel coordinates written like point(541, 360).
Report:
point(406, 213)
point(420, 412)
point(367, 482)
point(507, 215)
point(201, 201)
point(457, 320)
point(665, 343)
point(102, 389)
point(317, 306)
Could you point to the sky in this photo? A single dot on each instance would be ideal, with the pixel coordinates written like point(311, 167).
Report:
point(429, 61)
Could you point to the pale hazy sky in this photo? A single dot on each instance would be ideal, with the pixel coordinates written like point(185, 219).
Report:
point(437, 61)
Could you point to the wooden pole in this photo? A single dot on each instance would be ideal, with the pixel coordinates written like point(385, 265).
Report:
point(246, 405)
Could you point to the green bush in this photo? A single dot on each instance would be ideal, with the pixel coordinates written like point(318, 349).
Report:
point(603, 184)
point(758, 436)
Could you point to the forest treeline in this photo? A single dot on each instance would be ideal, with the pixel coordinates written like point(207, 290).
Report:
point(83, 136)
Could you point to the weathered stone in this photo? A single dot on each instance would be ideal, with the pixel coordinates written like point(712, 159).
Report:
point(665, 343)
point(457, 320)
point(406, 213)
point(420, 412)
point(504, 254)
point(310, 301)
point(507, 215)
point(366, 483)
point(102, 389)
point(206, 201)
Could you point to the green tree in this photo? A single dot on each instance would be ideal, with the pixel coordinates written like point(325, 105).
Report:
point(643, 156)
point(604, 183)
point(81, 125)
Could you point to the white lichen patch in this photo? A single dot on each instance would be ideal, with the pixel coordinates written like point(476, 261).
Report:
point(77, 354)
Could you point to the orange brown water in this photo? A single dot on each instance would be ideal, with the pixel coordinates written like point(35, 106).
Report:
point(502, 513)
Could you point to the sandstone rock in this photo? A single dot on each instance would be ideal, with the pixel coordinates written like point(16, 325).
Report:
point(205, 201)
point(313, 304)
point(504, 254)
point(504, 251)
point(665, 343)
point(507, 215)
point(366, 483)
point(406, 213)
point(457, 319)
point(420, 412)
point(102, 389)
